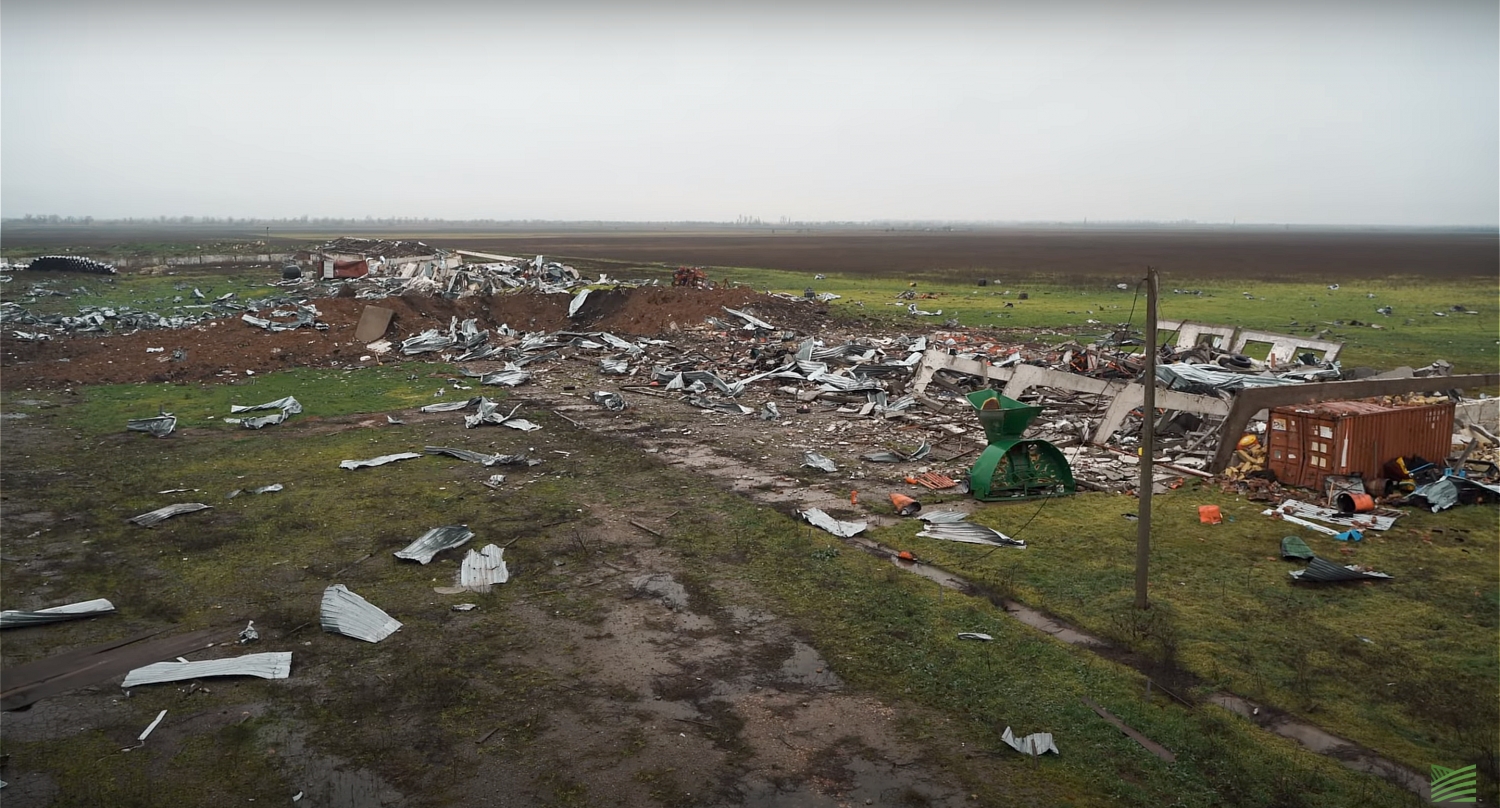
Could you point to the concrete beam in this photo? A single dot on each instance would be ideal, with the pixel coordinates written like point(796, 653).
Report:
point(1251, 400)
point(1018, 379)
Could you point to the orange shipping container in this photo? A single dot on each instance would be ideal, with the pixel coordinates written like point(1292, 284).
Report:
point(1310, 441)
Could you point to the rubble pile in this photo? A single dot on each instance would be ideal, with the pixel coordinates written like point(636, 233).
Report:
point(879, 397)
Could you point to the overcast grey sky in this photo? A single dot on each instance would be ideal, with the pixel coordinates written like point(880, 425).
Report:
point(1339, 113)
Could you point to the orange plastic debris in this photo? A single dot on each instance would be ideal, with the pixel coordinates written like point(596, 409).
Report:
point(1209, 514)
point(853, 497)
point(905, 555)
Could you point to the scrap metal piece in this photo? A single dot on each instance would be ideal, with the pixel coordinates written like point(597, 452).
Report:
point(769, 412)
point(975, 635)
point(451, 406)
point(1362, 521)
point(843, 530)
point(147, 731)
point(613, 402)
point(942, 517)
point(150, 518)
point(510, 377)
point(751, 321)
point(269, 665)
point(577, 302)
point(289, 405)
point(377, 461)
point(159, 426)
point(344, 612)
point(248, 634)
point(482, 569)
point(1035, 744)
point(1438, 495)
point(969, 533)
point(18, 618)
point(521, 459)
point(818, 461)
point(1321, 570)
point(614, 366)
point(435, 541)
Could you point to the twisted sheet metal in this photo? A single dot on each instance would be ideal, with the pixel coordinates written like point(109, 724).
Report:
point(435, 541)
point(17, 618)
point(969, 533)
point(151, 518)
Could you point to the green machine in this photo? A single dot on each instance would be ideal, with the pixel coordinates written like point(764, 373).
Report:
point(1012, 467)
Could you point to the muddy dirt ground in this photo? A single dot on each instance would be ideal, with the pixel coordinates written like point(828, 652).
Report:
point(1060, 252)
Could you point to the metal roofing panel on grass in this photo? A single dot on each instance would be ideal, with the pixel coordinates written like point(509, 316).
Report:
point(346, 613)
point(16, 618)
point(271, 665)
point(435, 541)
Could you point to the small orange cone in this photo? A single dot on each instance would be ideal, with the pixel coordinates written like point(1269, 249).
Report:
point(905, 505)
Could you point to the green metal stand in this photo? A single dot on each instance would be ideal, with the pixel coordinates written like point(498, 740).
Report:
point(1011, 467)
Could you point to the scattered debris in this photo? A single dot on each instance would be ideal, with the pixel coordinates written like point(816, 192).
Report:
point(151, 518)
point(286, 407)
point(270, 665)
point(905, 505)
point(159, 426)
point(613, 402)
point(482, 569)
point(485, 460)
point(435, 541)
point(1320, 570)
point(1035, 744)
point(819, 462)
point(465, 607)
point(975, 635)
point(344, 612)
point(147, 731)
point(249, 634)
point(16, 618)
point(969, 533)
point(378, 461)
point(818, 518)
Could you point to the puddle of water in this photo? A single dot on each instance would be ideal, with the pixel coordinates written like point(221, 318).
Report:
point(326, 781)
point(806, 667)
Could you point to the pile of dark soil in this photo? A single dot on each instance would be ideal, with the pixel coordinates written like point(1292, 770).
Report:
point(229, 346)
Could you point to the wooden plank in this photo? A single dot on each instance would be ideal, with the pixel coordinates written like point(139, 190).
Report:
point(1151, 746)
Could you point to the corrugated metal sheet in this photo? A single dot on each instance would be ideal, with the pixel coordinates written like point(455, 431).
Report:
point(272, 665)
point(969, 533)
point(378, 461)
point(845, 530)
point(160, 514)
point(349, 614)
point(435, 541)
point(1321, 570)
point(1308, 443)
point(16, 618)
point(483, 568)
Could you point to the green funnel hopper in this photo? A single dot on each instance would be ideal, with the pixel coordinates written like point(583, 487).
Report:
point(1012, 467)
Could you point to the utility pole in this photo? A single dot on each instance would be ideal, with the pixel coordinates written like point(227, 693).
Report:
point(1148, 448)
